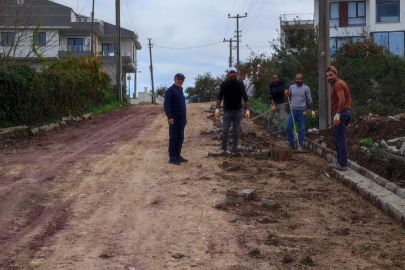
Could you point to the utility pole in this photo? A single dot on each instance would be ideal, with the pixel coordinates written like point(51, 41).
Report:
point(118, 49)
point(237, 17)
point(323, 63)
point(230, 50)
point(151, 69)
point(92, 31)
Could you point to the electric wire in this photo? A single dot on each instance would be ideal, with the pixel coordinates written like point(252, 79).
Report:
point(253, 15)
point(258, 15)
point(188, 48)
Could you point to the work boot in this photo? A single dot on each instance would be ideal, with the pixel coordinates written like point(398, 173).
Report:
point(174, 161)
point(182, 159)
point(337, 167)
point(292, 146)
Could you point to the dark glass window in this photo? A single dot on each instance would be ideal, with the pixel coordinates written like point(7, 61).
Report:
point(75, 44)
point(387, 10)
point(40, 39)
point(7, 38)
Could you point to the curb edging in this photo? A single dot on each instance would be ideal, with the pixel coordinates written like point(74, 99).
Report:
point(382, 193)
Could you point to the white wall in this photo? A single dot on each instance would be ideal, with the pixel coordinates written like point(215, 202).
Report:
point(145, 98)
point(23, 44)
point(371, 21)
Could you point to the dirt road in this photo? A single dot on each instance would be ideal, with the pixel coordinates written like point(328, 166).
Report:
point(100, 195)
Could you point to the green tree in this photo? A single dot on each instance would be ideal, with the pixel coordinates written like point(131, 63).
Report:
point(161, 89)
point(206, 87)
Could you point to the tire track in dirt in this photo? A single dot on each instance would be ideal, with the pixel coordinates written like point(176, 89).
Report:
point(31, 208)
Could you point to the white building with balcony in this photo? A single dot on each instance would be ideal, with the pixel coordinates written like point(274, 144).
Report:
point(56, 31)
point(352, 20)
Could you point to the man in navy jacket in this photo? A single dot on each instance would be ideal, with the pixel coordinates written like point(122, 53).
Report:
point(175, 109)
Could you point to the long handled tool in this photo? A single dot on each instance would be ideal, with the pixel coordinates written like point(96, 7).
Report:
point(299, 150)
point(267, 112)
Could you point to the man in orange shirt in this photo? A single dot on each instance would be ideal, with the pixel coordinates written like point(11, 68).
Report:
point(341, 108)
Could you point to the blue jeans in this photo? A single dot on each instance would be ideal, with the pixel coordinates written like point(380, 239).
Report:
point(340, 135)
point(176, 137)
point(281, 111)
point(299, 118)
point(234, 117)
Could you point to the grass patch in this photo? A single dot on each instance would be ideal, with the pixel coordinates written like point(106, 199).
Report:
point(402, 232)
point(258, 105)
point(368, 247)
point(285, 214)
point(367, 142)
point(287, 196)
point(258, 157)
point(108, 107)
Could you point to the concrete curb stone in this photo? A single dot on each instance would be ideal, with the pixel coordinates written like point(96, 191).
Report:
point(384, 194)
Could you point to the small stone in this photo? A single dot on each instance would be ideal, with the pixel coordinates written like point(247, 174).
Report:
point(177, 256)
point(402, 150)
point(265, 202)
point(288, 259)
point(87, 116)
point(34, 131)
point(249, 194)
point(234, 198)
point(131, 268)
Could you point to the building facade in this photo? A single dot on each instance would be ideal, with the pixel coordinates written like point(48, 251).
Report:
point(352, 20)
point(40, 27)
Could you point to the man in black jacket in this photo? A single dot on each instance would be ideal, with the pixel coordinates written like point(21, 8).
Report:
point(277, 100)
point(232, 91)
point(175, 109)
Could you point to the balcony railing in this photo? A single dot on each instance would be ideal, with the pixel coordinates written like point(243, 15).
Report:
point(75, 48)
point(297, 17)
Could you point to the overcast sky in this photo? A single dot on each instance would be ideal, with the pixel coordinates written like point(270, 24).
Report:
point(193, 23)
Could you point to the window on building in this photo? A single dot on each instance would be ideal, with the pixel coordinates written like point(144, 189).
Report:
point(40, 39)
point(387, 10)
point(356, 13)
point(343, 14)
point(334, 14)
point(337, 42)
point(7, 38)
point(108, 49)
point(392, 41)
point(75, 44)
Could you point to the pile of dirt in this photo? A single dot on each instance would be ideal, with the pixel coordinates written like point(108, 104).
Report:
point(375, 128)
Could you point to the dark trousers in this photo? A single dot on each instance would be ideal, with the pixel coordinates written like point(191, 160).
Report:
point(231, 117)
point(339, 137)
point(176, 137)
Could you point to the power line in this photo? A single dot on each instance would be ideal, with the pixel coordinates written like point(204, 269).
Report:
point(187, 48)
point(258, 15)
point(255, 11)
point(227, 24)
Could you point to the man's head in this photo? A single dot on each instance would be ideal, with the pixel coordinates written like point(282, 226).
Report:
point(275, 78)
point(331, 74)
point(232, 72)
point(298, 79)
point(179, 79)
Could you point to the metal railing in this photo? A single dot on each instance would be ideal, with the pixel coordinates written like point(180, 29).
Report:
point(297, 17)
point(75, 48)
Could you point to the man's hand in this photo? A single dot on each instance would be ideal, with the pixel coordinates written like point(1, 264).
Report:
point(273, 108)
point(313, 114)
point(286, 92)
point(247, 114)
point(171, 121)
point(217, 113)
point(336, 119)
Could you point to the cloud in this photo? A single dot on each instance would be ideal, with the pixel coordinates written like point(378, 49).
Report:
point(188, 23)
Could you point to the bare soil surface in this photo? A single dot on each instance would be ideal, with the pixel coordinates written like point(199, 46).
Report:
point(101, 195)
point(375, 128)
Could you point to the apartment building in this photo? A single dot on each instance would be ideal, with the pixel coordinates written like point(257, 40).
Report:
point(352, 20)
point(33, 27)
